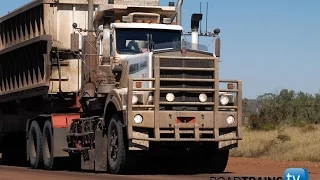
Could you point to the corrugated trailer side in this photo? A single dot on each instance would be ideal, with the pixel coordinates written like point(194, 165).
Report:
point(48, 24)
point(33, 39)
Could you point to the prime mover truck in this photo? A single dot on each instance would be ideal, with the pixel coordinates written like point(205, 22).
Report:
point(101, 82)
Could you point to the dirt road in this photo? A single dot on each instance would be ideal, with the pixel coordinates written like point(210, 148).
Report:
point(236, 167)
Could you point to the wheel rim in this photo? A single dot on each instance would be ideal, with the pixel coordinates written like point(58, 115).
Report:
point(114, 146)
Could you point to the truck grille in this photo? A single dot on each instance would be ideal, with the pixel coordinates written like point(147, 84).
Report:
point(186, 96)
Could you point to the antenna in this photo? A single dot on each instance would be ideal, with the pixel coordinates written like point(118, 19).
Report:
point(201, 20)
point(207, 19)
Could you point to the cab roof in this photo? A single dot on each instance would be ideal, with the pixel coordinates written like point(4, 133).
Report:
point(147, 26)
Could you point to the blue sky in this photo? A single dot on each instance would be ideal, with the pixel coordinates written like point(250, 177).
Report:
point(270, 45)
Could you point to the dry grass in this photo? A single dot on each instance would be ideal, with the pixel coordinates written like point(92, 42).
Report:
point(287, 143)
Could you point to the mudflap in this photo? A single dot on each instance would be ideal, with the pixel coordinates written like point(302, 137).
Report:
point(59, 142)
point(101, 144)
point(88, 160)
point(96, 160)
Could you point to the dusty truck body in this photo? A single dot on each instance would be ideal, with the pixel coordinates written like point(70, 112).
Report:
point(99, 82)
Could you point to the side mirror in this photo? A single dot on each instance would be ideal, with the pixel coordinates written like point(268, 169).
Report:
point(217, 42)
point(217, 47)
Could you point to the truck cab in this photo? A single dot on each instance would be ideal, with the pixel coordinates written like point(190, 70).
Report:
point(166, 92)
point(137, 29)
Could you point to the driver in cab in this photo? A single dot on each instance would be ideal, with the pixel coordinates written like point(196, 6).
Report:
point(132, 46)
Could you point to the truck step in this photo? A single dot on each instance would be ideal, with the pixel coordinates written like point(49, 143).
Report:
point(86, 118)
point(75, 149)
point(61, 63)
point(80, 134)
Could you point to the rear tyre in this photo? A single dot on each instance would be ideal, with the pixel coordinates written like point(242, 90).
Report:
point(119, 159)
point(35, 146)
point(47, 150)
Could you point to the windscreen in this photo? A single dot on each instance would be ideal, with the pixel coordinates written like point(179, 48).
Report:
point(135, 41)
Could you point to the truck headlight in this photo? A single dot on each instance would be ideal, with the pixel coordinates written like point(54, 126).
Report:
point(134, 99)
point(138, 119)
point(170, 97)
point(224, 100)
point(230, 120)
point(203, 97)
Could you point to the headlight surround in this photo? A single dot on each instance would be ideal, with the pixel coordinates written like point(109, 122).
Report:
point(170, 97)
point(138, 119)
point(224, 100)
point(203, 97)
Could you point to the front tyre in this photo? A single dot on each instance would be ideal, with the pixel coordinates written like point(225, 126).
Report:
point(119, 160)
point(219, 161)
point(211, 160)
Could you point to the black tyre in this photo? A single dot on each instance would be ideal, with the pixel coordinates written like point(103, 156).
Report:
point(219, 161)
point(211, 160)
point(48, 149)
point(119, 158)
point(35, 146)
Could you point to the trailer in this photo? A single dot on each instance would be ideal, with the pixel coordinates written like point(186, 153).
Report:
point(100, 82)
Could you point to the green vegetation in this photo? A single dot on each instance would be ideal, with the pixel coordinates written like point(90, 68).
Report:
point(281, 126)
point(272, 111)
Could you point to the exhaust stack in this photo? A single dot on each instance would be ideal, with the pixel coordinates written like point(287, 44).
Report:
point(195, 19)
point(90, 16)
point(195, 39)
point(90, 57)
point(179, 11)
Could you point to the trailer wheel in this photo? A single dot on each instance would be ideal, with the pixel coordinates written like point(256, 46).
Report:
point(35, 146)
point(119, 158)
point(47, 151)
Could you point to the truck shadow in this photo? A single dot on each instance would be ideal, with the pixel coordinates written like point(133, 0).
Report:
point(148, 165)
point(168, 165)
point(17, 163)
